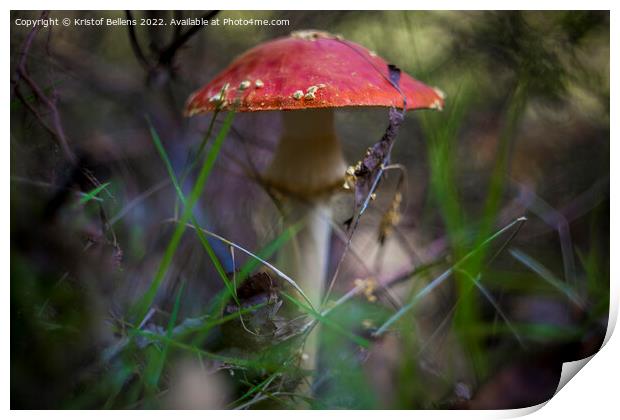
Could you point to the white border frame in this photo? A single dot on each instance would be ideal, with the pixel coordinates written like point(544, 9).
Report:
point(592, 393)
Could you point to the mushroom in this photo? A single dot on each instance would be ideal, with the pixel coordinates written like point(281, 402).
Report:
point(306, 75)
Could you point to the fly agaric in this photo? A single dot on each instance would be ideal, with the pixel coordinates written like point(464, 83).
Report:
point(306, 76)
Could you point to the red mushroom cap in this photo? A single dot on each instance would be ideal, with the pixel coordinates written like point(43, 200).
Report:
point(309, 69)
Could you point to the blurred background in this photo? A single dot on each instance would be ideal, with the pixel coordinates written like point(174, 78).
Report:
point(524, 133)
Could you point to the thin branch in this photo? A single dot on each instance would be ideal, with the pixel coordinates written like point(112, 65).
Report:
point(135, 45)
point(22, 75)
point(166, 57)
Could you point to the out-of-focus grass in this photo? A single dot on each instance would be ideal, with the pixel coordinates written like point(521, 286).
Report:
point(93, 194)
point(135, 372)
point(155, 356)
point(209, 161)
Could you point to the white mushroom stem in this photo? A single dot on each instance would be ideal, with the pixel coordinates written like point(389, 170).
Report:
point(306, 168)
point(308, 160)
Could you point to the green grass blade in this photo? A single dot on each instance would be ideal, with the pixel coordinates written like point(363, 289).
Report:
point(180, 196)
point(263, 384)
point(164, 157)
point(91, 195)
point(193, 349)
point(279, 273)
point(253, 262)
point(191, 163)
point(205, 327)
point(153, 378)
point(546, 275)
point(269, 250)
point(327, 322)
point(263, 254)
point(141, 308)
point(443, 276)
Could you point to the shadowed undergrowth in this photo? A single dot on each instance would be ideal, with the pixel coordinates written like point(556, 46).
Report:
point(460, 276)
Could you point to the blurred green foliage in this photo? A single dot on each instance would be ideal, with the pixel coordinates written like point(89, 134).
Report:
point(525, 132)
